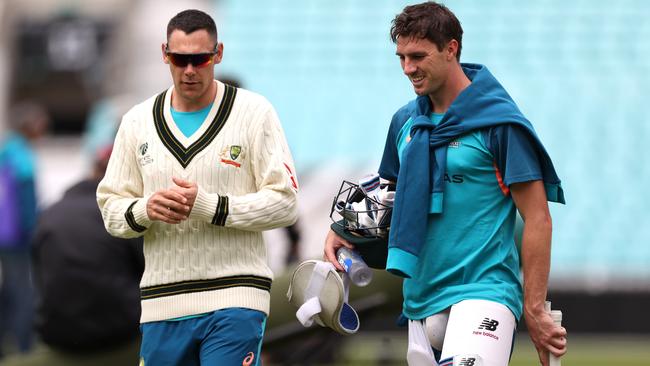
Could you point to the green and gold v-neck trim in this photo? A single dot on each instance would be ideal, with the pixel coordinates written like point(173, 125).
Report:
point(183, 154)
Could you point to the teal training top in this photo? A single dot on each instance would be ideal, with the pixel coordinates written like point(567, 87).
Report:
point(484, 103)
point(469, 250)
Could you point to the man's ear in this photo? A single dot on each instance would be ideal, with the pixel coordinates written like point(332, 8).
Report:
point(163, 48)
point(219, 55)
point(452, 50)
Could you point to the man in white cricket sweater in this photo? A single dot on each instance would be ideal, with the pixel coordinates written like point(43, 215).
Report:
point(200, 171)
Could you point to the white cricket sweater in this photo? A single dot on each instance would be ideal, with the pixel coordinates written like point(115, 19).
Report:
point(241, 162)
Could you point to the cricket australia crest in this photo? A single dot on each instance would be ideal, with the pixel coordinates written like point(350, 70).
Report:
point(235, 150)
point(230, 155)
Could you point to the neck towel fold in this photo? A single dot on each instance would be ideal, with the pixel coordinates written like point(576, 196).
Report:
point(420, 183)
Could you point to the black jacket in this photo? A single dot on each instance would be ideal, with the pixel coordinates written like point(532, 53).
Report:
point(87, 281)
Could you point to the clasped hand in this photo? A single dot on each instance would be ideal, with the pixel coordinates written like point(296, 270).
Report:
point(174, 204)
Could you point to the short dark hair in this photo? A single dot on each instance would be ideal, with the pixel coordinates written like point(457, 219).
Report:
point(431, 21)
point(190, 21)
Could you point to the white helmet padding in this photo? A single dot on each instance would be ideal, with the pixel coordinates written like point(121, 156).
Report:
point(320, 294)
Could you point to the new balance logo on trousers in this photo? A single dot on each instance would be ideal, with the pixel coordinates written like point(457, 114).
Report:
point(489, 324)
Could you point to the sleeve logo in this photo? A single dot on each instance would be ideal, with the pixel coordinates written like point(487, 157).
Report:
point(292, 177)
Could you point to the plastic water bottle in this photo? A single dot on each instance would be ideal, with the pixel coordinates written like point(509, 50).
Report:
point(354, 266)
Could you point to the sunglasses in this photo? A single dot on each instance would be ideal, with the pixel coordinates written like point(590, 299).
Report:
point(196, 59)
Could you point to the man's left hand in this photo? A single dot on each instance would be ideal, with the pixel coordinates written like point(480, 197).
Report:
point(188, 189)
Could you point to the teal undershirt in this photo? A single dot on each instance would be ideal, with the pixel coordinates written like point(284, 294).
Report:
point(189, 122)
point(187, 317)
point(436, 118)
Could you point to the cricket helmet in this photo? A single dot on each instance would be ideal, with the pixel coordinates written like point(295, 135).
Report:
point(361, 214)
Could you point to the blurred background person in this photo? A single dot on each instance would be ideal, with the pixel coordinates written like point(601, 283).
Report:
point(87, 282)
point(18, 210)
point(293, 250)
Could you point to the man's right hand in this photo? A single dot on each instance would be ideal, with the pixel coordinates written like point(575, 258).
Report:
point(332, 243)
point(167, 206)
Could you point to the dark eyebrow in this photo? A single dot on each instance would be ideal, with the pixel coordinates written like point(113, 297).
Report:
point(412, 54)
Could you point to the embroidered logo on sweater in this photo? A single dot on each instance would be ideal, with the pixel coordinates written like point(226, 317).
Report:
point(144, 158)
point(235, 150)
point(230, 154)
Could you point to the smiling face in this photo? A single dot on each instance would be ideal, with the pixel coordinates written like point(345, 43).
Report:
point(194, 87)
point(425, 65)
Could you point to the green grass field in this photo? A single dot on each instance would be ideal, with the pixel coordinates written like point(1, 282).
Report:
point(591, 350)
point(584, 350)
point(389, 349)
